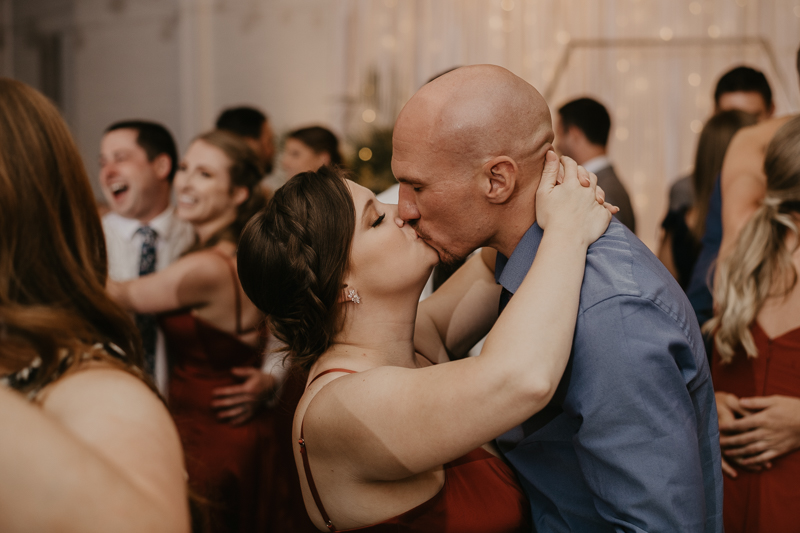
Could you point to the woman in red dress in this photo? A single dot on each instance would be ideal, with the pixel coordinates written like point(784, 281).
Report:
point(756, 360)
point(386, 439)
point(211, 331)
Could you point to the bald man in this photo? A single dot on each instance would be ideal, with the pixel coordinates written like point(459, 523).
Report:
point(630, 440)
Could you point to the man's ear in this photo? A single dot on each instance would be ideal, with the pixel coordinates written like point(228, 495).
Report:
point(162, 165)
point(574, 133)
point(500, 179)
point(771, 110)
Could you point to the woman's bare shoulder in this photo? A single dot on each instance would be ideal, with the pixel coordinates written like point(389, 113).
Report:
point(99, 394)
point(202, 270)
point(119, 416)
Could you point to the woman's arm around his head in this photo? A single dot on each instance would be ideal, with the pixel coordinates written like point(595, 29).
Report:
point(390, 423)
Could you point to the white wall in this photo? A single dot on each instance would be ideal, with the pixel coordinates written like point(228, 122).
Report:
point(179, 62)
point(281, 55)
point(125, 66)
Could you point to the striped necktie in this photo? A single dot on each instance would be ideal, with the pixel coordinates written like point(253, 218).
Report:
point(147, 323)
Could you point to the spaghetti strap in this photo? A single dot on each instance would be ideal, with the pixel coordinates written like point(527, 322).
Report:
point(302, 442)
point(329, 371)
point(236, 295)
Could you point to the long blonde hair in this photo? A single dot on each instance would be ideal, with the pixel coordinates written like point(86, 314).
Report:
point(761, 266)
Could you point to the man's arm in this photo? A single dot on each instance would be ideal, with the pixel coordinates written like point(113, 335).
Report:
point(649, 429)
point(461, 312)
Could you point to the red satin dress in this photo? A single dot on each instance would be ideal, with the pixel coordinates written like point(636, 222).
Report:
point(231, 466)
point(480, 495)
point(765, 501)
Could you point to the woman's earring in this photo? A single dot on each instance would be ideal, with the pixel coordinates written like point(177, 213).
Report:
point(353, 296)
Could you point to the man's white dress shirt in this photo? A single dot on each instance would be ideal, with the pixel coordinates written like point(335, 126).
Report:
point(597, 164)
point(124, 247)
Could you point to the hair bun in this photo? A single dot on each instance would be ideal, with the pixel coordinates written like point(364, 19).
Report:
point(292, 259)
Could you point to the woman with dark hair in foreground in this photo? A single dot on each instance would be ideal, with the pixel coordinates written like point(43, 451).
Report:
point(86, 445)
point(379, 435)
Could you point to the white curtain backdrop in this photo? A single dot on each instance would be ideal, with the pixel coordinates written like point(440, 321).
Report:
point(653, 63)
point(352, 64)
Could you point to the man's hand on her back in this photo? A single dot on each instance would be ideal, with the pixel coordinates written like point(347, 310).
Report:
point(237, 404)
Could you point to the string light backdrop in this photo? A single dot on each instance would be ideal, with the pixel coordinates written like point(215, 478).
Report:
point(654, 64)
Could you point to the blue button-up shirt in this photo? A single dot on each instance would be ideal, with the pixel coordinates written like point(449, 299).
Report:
point(630, 441)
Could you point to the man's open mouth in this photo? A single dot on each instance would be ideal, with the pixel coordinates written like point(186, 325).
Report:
point(118, 188)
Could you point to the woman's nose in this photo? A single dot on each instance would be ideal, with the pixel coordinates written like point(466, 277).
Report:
point(395, 213)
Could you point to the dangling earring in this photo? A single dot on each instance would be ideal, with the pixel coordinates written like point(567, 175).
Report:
point(353, 296)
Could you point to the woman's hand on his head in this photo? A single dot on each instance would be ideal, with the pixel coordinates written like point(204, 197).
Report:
point(585, 177)
point(237, 404)
point(563, 204)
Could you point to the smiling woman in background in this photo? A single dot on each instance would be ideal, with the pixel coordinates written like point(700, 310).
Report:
point(211, 331)
point(86, 445)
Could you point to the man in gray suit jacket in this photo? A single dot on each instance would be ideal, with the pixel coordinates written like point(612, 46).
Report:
point(582, 134)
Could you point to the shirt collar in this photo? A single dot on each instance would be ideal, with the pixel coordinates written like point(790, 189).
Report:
point(510, 271)
point(597, 164)
point(162, 224)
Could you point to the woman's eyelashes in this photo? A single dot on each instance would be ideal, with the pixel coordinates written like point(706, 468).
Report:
point(378, 221)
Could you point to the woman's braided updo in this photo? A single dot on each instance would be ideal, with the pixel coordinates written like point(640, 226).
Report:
point(293, 257)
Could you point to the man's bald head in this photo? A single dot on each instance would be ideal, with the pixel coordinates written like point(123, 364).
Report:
point(468, 151)
point(479, 112)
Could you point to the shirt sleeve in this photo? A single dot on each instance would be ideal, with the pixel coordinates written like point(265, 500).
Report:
point(643, 394)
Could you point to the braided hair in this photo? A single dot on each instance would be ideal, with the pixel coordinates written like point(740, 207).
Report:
point(293, 257)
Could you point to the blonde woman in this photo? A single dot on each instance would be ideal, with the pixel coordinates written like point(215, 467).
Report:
point(756, 361)
point(211, 334)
